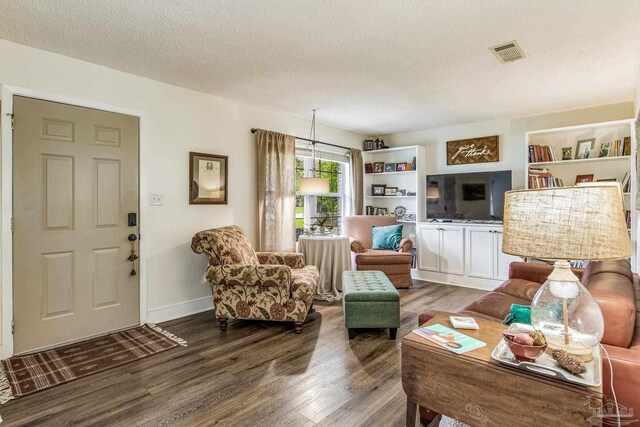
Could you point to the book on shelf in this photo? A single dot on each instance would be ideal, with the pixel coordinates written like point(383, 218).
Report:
point(448, 338)
point(542, 178)
point(626, 183)
point(542, 153)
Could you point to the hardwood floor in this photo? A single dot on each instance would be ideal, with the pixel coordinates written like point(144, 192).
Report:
point(254, 374)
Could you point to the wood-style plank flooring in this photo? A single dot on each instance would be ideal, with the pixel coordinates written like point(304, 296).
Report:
point(254, 374)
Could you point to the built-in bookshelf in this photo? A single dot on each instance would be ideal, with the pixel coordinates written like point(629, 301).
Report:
point(406, 178)
point(556, 157)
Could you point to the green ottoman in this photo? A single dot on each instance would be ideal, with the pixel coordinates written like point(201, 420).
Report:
point(369, 300)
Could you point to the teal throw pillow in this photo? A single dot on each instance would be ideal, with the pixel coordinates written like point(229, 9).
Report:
point(387, 237)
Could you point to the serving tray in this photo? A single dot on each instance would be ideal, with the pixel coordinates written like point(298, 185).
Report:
point(546, 366)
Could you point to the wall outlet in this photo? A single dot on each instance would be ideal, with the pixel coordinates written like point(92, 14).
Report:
point(155, 199)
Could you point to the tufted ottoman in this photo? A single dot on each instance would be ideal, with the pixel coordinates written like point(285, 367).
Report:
point(369, 300)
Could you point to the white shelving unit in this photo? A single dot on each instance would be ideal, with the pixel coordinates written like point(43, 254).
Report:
point(603, 168)
point(407, 180)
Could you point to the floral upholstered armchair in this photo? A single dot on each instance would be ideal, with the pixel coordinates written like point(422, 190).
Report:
point(255, 285)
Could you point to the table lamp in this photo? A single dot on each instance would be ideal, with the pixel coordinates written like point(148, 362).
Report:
point(561, 224)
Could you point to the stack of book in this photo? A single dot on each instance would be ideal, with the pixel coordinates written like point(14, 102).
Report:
point(541, 153)
point(626, 183)
point(542, 178)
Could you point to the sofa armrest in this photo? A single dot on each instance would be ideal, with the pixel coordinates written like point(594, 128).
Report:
point(356, 245)
point(278, 276)
point(291, 259)
point(533, 272)
point(405, 245)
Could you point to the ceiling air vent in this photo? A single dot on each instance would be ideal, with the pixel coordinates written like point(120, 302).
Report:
point(508, 52)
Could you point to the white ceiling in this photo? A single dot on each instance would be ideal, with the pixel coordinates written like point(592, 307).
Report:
point(372, 66)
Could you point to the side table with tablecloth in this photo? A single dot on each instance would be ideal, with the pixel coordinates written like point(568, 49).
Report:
point(332, 256)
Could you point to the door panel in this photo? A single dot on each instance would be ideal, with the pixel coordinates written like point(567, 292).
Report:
point(75, 180)
point(452, 251)
point(503, 260)
point(428, 248)
point(480, 252)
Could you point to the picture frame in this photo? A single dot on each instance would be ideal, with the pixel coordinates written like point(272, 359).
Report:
point(583, 147)
point(584, 178)
point(369, 210)
point(484, 149)
point(567, 153)
point(381, 211)
point(401, 167)
point(389, 167)
point(208, 179)
point(401, 192)
point(378, 167)
point(368, 168)
point(390, 191)
point(378, 189)
point(605, 148)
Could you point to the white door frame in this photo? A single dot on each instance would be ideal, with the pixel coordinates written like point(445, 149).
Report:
point(6, 200)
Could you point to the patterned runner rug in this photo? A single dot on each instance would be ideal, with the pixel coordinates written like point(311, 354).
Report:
point(23, 375)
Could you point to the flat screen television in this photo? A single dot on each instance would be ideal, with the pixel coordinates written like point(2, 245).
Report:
point(475, 196)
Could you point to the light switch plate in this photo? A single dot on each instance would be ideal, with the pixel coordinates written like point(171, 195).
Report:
point(155, 199)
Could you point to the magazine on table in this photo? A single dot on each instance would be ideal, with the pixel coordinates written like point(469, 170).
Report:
point(448, 338)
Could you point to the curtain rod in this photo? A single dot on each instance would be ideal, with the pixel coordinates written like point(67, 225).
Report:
point(254, 130)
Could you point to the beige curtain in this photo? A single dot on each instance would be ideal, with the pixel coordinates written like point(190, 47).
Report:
point(356, 182)
point(276, 192)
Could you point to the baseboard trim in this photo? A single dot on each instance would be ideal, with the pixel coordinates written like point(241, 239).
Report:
point(180, 309)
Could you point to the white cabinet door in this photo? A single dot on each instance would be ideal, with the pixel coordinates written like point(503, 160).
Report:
point(428, 248)
point(503, 260)
point(452, 250)
point(480, 252)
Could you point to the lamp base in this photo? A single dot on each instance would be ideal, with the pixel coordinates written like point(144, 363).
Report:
point(582, 353)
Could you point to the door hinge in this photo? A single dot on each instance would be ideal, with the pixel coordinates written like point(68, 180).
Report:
point(11, 116)
point(13, 327)
point(13, 225)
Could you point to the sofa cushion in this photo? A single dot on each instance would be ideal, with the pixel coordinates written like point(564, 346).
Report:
point(495, 304)
point(370, 256)
point(611, 285)
point(519, 288)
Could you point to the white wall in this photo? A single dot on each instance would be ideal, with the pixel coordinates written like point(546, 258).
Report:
point(512, 137)
point(178, 121)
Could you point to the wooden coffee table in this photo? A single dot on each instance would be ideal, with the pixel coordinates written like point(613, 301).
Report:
point(475, 389)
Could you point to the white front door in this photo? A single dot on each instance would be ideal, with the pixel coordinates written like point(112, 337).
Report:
point(75, 182)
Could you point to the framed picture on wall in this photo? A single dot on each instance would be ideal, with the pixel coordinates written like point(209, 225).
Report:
point(208, 176)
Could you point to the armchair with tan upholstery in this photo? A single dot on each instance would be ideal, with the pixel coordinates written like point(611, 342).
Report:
point(396, 265)
point(255, 285)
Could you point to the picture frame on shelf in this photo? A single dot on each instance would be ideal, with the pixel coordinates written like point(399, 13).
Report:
point(584, 178)
point(378, 167)
point(378, 189)
point(368, 168)
point(583, 148)
point(390, 191)
point(369, 210)
point(389, 167)
point(605, 148)
point(401, 192)
point(381, 211)
point(401, 167)
point(567, 153)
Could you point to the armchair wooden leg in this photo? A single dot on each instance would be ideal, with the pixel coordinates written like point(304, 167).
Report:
point(223, 324)
point(298, 327)
point(392, 333)
point(352, 333)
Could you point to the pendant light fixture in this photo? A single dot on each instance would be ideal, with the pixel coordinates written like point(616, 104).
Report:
point(313, 184)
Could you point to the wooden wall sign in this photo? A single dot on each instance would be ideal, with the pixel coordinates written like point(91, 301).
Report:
point(474, 150)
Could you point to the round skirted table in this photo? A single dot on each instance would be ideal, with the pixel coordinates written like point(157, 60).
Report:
point(332, 256)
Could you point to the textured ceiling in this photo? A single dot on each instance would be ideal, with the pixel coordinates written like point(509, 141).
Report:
point(375, 67)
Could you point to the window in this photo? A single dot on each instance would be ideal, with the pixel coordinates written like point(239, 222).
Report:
point(324, 210)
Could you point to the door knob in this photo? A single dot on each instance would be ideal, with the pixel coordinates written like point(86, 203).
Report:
point(132, 237)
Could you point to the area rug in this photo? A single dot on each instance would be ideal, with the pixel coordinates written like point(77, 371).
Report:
point(23, 375)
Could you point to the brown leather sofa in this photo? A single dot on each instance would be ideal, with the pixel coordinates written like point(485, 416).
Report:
point(617, 291)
